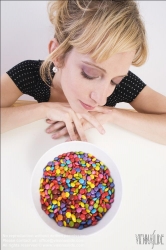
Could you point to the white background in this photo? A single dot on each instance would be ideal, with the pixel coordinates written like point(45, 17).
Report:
point(26, 32)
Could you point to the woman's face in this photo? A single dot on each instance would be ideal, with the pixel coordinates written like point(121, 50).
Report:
point(87, 84)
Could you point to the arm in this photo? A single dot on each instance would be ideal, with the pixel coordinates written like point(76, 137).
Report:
point(150, 119)
point(12, 117)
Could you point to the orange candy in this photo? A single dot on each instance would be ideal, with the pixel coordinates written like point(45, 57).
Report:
point(60, 217)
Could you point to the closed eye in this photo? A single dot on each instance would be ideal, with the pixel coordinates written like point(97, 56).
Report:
point(87, 76)
point(114, 82)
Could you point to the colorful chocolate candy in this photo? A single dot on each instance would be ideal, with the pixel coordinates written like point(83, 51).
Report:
point(76, 190)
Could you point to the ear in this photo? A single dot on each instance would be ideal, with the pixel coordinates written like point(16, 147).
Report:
point(53, 44)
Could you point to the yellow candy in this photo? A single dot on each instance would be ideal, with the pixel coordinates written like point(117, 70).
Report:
point(72, 184)
point(80, 186)
point(58, 171)
point(82, 204)
point(92, 185)
point(88, 211)
point(64, 223)
point(106, 189)
point(94, 159)
point(41, 181)
point(48, 207)
point(92, 176)
point(68, 215)
point(58, 203)
point(54, 202)
point(97, 168)
point(83, 197)
point(89, 155)
point(41, 189)
point(73, 218)
point(87, 164)
point(48, 168)
point(67, 194)
point(73, 207)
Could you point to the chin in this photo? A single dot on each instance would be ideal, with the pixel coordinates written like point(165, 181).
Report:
point(77, 109)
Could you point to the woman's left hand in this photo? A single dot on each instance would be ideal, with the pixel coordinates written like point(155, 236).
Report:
point(58, 129)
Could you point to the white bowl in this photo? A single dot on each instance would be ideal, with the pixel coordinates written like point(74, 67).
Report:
point(87, 148)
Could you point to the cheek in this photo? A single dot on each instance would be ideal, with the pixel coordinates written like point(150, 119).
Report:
point(73, 85)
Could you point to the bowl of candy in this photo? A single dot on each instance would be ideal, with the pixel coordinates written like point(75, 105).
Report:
point(76, 188)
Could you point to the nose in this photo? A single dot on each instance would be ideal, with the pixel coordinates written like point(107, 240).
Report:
point(100, 95)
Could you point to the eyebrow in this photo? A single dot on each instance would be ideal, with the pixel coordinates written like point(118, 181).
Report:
point(101, 68)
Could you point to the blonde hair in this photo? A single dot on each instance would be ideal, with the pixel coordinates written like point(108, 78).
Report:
point(100, 28)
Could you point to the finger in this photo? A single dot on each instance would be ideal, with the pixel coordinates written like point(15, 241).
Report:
point(102, 109)
point(50, 121)
point(73, 117)
point(68, 139)
point(60, 133)
point(79, 128)
point(91, 119)
point(78, 138)
point(55, 126)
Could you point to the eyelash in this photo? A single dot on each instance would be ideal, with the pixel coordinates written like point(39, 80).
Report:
point(92, 78)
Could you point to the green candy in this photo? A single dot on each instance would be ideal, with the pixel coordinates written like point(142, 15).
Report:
point(100, 209)
point(49, 191)
point(110, 179)
point(86, 206)
point(95, 205)
point(71, 223)
point(97, 201)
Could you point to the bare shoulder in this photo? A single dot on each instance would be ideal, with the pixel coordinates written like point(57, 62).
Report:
point(9, 91)
point(149, 101)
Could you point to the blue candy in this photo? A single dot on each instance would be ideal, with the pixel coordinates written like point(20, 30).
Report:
point(51, 215)
point(93, 211)
point(109, 191)
point(68, 161)
point(81, 181)
point(89, 222)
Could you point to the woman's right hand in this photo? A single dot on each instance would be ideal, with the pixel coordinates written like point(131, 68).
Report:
point(62, 112)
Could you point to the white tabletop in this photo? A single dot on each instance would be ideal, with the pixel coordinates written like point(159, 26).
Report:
point(142, 166)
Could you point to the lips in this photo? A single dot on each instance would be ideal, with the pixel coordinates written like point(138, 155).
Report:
point(86, 106)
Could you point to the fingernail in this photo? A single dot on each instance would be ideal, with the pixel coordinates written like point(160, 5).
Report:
point(103, 131)
point(54, 136)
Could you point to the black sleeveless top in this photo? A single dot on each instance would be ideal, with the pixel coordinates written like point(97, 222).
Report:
point(27, 78)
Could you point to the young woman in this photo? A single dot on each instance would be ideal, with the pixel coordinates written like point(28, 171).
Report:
point(86, 74)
